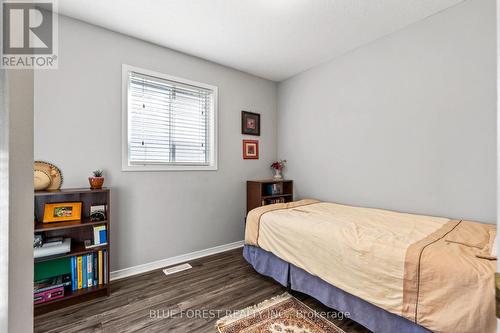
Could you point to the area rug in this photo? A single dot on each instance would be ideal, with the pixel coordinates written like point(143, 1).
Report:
point(281, 314)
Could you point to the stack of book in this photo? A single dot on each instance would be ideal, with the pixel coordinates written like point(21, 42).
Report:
point(100, 237)
point(89, 270)
point(274, 189)
point(273, 201)
point(50, 288)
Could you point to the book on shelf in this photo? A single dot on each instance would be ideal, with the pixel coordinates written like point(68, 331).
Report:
point(274, 189)
point(99, 254)
point(74, 275)
point(51, 268)
point(84, 272)
point(105, 266)
point(48, 295)
point(96, 267)
point(273, 201)
point(51, 283)
point(89, 270)
point(100, 235)
point(79, 272)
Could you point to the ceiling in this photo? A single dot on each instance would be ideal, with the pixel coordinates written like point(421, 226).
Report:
point(273, 39)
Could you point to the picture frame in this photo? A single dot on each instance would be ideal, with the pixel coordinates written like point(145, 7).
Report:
point(98, 213)
point(250, 149)
point(250, 123)
point(62, 211)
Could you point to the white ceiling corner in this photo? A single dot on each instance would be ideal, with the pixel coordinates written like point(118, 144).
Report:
point(273, 39)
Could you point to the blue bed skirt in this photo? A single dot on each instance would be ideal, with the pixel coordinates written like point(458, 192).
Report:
point(366, 314)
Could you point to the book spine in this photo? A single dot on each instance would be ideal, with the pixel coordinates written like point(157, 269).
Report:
point(100, 267)
point(51, 287)
point(90, 276)
point(74, 274)
point(105, 266)
point(84, 271)
point(48, 295)
point(96, 235)
point(79, 269)
point(102, 235)
point(96, 265)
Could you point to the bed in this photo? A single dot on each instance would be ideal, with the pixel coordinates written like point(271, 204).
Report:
point(393, 272)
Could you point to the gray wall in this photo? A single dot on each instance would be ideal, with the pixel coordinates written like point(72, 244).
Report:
point(407, 122)
point(498, 138)
point(20, 95)
point(156, 215)
point(4, 203)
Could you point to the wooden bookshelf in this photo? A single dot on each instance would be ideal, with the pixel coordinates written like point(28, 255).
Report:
point(78, 231)
point(259, 193)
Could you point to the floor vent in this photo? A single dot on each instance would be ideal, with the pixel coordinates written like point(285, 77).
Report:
point(176, 269)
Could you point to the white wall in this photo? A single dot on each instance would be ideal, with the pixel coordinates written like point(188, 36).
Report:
point(20, 159)
point(156, 215)
point(406, 122)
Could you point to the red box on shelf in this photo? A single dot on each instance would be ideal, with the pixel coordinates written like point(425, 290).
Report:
point(48, 295)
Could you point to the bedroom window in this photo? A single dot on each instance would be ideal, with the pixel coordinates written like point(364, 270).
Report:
point(169, 123)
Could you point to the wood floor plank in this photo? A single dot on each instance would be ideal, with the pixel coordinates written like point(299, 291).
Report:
point(216, 284)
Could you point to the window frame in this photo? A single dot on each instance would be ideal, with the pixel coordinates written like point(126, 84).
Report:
point(213, 125)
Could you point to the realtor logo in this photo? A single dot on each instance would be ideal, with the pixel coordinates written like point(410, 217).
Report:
point(29, 34)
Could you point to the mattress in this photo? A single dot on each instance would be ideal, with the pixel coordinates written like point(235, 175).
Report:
point(433, 271)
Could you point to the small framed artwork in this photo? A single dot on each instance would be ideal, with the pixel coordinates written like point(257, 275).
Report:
point(97, 213)
point(250, 149)
point(63, 211)
point(250, 123)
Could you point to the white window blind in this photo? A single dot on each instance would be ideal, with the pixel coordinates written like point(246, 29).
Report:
point(169, 122)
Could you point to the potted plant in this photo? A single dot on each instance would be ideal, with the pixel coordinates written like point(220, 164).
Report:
point(97, 180)
point(278, 167)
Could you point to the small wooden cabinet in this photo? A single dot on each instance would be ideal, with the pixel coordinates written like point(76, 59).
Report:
point(266, 192)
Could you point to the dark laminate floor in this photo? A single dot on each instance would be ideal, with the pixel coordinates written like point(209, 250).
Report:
point(217, 283)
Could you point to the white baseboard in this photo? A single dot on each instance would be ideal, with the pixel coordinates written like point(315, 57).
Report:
point(134, 270)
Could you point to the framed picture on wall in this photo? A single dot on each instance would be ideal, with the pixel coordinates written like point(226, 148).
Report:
point(250, 123)
point(250, 149)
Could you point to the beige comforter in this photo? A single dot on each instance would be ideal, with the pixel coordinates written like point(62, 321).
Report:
point(431, 270)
